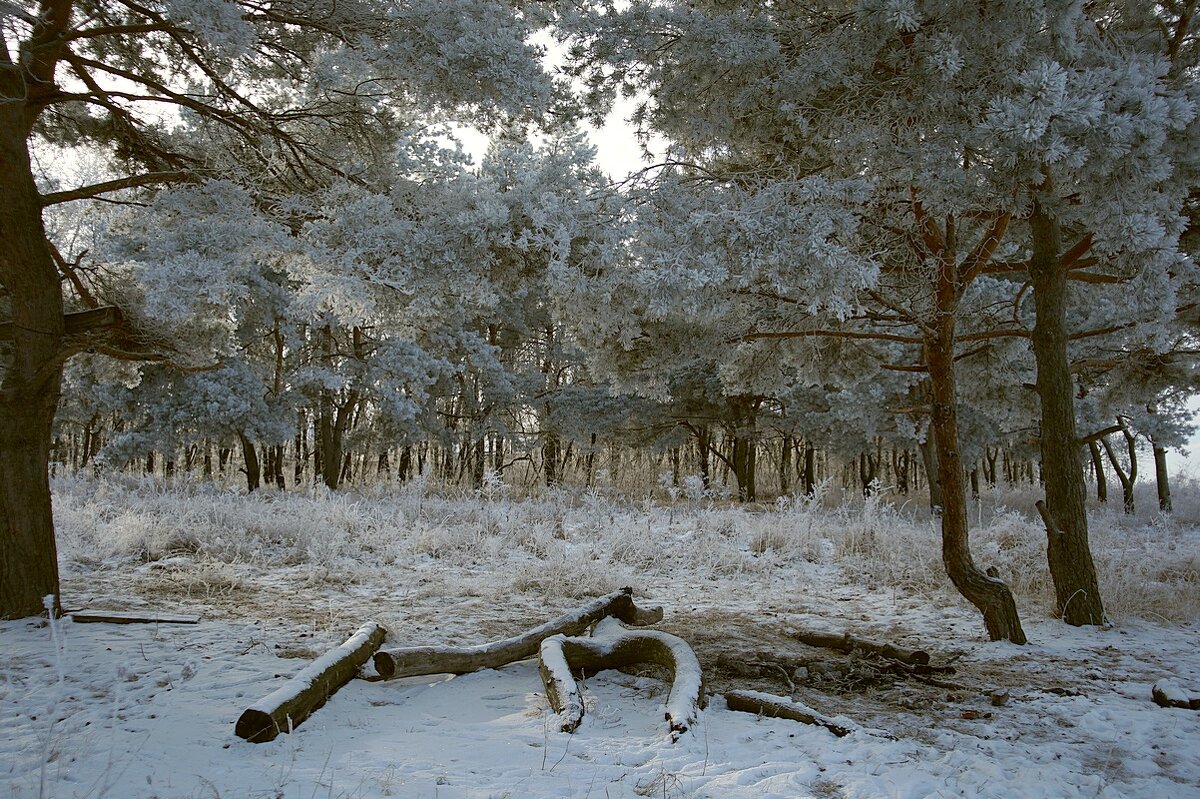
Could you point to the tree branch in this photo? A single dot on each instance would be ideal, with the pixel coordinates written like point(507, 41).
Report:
point(131, 182)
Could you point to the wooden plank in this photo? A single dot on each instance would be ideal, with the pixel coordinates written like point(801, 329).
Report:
point(130, 617)
point(78, 322)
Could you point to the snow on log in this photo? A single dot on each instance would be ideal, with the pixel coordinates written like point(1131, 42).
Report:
point(1168, 693)
point(284, 709)
point(414, 660)
point(781, 707)
point(611, 646)
point(845, 642)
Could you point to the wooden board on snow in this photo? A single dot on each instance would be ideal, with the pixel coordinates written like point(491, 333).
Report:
point(86, 616)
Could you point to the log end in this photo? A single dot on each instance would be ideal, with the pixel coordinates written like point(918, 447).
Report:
point(256, 726)
point(385, 664)
point(1168, 693)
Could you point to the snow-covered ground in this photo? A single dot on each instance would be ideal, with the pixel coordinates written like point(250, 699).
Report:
point(140, 711)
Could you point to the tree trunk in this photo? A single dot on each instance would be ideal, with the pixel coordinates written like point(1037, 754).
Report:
point(32, 367)
point(253, 473)
point(810, 469)
point(1128, 479)
point(990, 595)
point(743, 467)
point(785, 465)
point(868, 470)
point(402, 470)
point(1076, 590)
point(550, 455)
point(1161, 480)
point(1098, 468)
point(480, 464)
point(929, 461)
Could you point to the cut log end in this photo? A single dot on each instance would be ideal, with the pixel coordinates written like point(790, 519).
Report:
point(256, 726)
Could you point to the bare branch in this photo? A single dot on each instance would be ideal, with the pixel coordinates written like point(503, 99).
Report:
point(131, 182)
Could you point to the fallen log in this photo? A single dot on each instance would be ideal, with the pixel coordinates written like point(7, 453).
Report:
point(416, 660)
point(1168, 693)
point(783, 708)
point(846, 642)
point(612, 646)
point(282, 710)
point(130, 617)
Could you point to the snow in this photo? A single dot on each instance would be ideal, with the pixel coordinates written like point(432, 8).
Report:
point(148, 711)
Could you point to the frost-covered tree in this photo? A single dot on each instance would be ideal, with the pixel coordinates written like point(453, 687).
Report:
point(160, 87)
point(934, 159)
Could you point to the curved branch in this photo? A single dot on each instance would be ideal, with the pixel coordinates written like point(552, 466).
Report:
point(131, 182)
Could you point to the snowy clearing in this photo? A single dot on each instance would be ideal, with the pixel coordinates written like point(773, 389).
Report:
point(142, 711)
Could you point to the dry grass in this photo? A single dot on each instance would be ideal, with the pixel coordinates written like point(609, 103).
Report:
point(577, 544)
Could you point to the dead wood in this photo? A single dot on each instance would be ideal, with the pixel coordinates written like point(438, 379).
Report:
point(415, 660)
point(781, 707)
point(1167, 693)
point(845, 642)
point(284, 709)
point(612, 646)
point(127, 617)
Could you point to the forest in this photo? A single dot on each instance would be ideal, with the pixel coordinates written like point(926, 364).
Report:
point(315, 313)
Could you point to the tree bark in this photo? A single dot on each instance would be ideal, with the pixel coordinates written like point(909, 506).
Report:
point(844, 642)
point(810, 469)
point(783, 708)
point(1161, 478)
point(613, 646)
point(929, 461)
point(1076, 589)
point(1098, 468)
point(550, 456)
point(1127, 479)
point(32, 363)
point(990, 595)
point(416, 660)
point(253, 472)
point(284, 709)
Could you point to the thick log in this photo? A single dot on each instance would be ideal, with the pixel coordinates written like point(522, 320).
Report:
point(416, 660)
point(845, 642)
point(130, 617)
point(612, 646)
point(783, 708)
point(284, 709)
point(1168, 693)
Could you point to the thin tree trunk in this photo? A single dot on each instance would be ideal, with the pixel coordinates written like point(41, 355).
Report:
point(1098, 468)
point(810, 469)
point(301, 445)
point(988, 594)
point(929, 461)
point(405, 465)
point(550, 455)
point(1127, 479)
point(1161, 479)
point(1076, 590)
